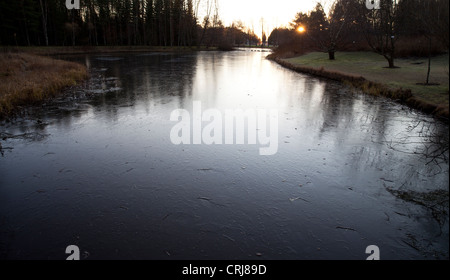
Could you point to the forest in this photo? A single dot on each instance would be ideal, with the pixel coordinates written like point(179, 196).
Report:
point(118, 22)
point(400, 28)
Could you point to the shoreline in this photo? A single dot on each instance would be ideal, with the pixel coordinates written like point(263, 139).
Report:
point(27, 79)
point(46, 88)
point(31, 75)
point(403, 96)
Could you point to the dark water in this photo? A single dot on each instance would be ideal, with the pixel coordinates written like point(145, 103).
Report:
point(97, 168)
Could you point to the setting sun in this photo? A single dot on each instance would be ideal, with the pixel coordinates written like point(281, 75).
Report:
point(252, 12)
point(301, 29)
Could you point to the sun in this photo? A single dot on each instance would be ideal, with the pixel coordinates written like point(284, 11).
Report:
point(301, 29)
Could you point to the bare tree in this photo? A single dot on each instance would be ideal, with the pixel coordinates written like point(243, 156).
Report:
point(329, 33)
point(210, 5)
point(332, 32)
point(381, 29)
point(44, 20)
point(428, 18)
point(340, 25)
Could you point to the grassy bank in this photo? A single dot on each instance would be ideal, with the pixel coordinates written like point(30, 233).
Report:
point(29, 74)
point(367, 71)
point(27, 79)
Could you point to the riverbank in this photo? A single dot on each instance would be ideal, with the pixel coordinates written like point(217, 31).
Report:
point(27, 78)
point(366, 71)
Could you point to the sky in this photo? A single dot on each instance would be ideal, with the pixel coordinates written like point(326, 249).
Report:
point(276, 13)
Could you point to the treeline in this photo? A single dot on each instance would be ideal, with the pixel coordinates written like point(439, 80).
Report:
point(398, 28)
point(116, 22)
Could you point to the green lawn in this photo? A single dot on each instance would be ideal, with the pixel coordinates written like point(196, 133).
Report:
point(372, 67)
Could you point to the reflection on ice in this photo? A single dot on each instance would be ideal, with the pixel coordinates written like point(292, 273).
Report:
point(107, 178)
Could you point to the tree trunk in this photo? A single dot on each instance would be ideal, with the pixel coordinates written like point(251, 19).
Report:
point(391, 62)
point(429, 61)
point(73, 29)
point(203, 34)
point(331, 55)
point(26, 25)
point(44, 22)
point(144, 35)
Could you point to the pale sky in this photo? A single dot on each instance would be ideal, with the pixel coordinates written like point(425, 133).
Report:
point(276, 13)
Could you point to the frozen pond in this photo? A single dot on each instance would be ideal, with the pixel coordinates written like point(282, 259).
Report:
point(98, 168)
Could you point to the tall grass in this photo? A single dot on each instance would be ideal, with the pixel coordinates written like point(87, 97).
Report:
point(28, 79)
